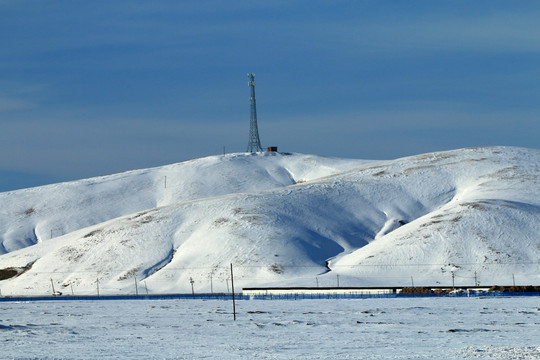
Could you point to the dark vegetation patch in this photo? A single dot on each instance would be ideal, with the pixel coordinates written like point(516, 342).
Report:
point(469, 330)
point(416, 290)
point(429, 223)
point(474, 205)
point(220, 221)
point(147, 219)
point(92, 233)
point(237, 211)
point(29, 211)
point(8, 273)
point(71, 253)
point(427, 290)
point(142, 213)
point(521, 289)
point(12, 272)
point(129, 274)
point(277, 268)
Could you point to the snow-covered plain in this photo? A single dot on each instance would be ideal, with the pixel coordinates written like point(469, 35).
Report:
point(408, 328)
point(468, 216)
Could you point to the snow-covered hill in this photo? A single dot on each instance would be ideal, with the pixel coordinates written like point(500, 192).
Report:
point(281, 219)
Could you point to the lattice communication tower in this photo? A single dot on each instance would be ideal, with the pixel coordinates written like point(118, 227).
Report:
point(254, 144)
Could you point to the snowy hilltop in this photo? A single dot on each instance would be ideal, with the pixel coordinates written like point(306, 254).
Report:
point(469, 216)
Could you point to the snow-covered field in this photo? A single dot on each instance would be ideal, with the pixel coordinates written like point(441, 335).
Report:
point(411, 328)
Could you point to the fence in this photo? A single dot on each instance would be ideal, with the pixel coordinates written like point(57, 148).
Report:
point(290, 296)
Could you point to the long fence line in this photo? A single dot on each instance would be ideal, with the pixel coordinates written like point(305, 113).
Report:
point(239, 296)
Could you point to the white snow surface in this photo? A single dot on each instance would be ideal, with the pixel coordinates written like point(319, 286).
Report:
point(406, 328)
point(281, 220)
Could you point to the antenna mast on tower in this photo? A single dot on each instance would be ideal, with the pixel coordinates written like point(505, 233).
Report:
point(254, 144)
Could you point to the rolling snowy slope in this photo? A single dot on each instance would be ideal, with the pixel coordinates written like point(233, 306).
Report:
point(30, 216)
point(281, 220)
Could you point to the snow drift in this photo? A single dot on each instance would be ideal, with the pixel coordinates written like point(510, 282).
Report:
point(469, 216)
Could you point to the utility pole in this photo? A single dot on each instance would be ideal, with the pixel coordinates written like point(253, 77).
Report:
point(192, 282)
point(52, 284)
point(233, 301)
point(136, 288)
point(453, 283)
point(254, 144)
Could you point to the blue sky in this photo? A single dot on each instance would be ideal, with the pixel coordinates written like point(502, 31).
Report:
point(92, 88)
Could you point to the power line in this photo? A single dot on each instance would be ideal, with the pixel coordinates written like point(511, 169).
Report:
point(224, 267)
